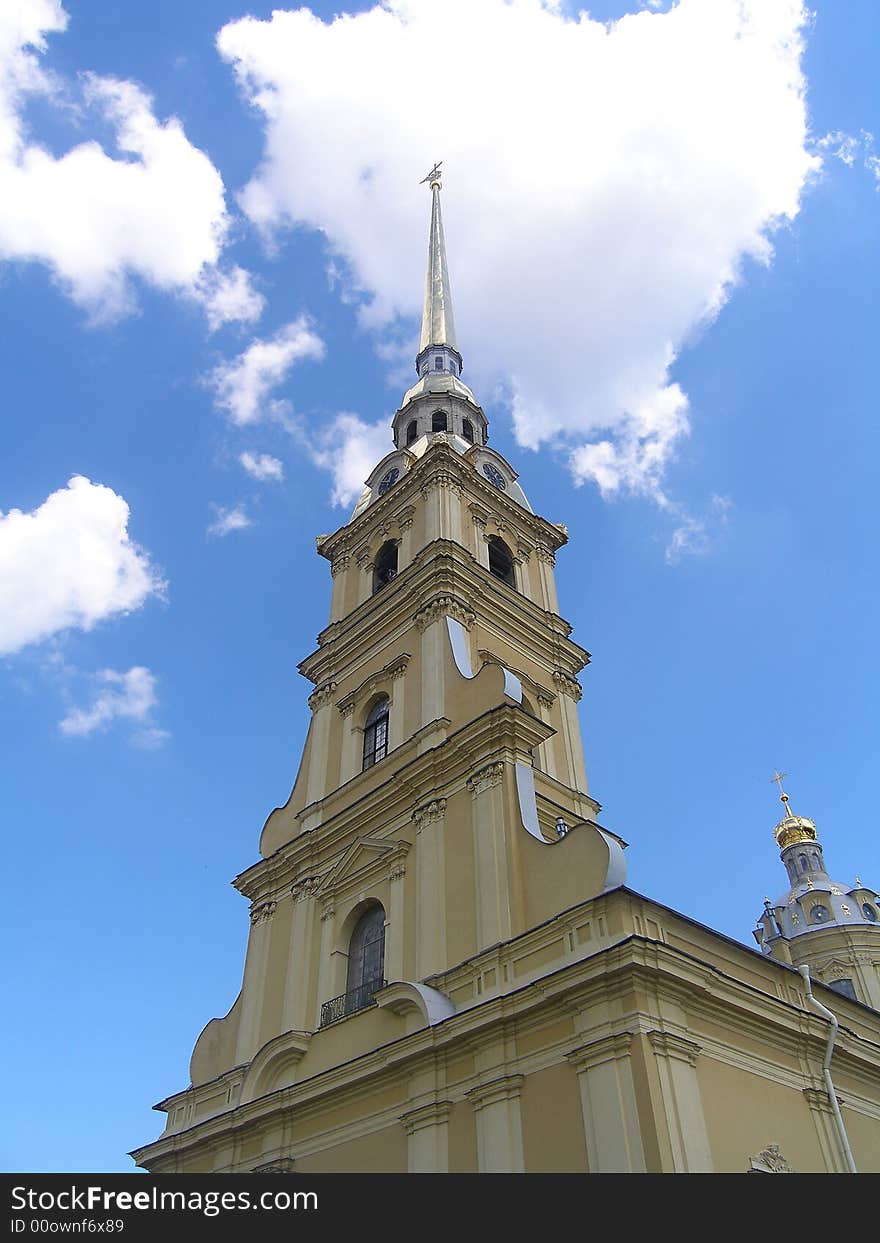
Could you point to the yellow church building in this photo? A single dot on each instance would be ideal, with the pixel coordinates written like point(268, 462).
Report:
point(445, 970)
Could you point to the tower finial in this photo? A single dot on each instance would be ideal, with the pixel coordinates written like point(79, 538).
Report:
point(438, 325)
point(783, 797)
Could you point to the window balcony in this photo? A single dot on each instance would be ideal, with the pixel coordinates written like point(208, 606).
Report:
point(349, 1003)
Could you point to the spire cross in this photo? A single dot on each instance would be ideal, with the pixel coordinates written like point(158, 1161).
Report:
point(783, 797)
point(433, 175)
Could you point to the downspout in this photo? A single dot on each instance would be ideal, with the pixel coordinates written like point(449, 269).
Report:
point(826, 1070)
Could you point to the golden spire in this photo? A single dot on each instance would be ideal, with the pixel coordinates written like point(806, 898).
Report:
point(438, 326)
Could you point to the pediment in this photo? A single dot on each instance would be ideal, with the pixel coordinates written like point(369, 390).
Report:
point(360, 858)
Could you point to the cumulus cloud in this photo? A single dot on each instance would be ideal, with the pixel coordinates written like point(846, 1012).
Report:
point(155, 210)
point(605, 184)
point(119, 696)
point(349, 448)
point(69, 563)
point(235, 518)
point(262, 466)
point(242, 386)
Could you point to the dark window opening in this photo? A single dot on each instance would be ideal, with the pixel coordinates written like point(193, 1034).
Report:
point(385, 566)
point(438, 421)
point(438, 364)
point(802, 860)
point(376, 733)
point(467, 430)
point(412, 431)
point(501, 561)
point(366, 950)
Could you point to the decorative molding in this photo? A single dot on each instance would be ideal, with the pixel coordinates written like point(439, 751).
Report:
point(329, 912)
point(442, 481)
point(395, 668)
point(340, 563)
point(306, 887)
point(610, 1048)
point(665, 1044)
point(485, 778)
point(545, 702)
point(320, 695)
point(444, 606)
point(507, 1088)
point(405, 517)
point(281, 1165)
point(397, 872)
point(260, 914)
point(435, 1114)
point(545, 554)
point(429, 813)
point(818, 1099)
point(770, 1161)
point(567, 685)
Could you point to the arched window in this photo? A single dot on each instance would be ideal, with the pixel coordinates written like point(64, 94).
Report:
point(816, 864)
point(412, 431)
point(467, 430)
point(438, 363)
point(385, 566)
point(376, 733)
point(366, 959)
point(501, 561)
point(802, 860)
point(438, 421)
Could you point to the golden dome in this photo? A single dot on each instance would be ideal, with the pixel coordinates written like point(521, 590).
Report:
point(792, 829)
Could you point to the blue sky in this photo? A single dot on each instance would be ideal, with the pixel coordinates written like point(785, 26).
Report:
point(663, 289)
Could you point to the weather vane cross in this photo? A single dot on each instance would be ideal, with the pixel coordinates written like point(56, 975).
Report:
point(433, 175)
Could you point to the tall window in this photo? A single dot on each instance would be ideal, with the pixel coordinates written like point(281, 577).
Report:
point(467, 430)
point(366, 959)
point(438, 421)
point(412, 431)
point(438, 364)
point(376, 733)
point(501, 561)
point(385, 566)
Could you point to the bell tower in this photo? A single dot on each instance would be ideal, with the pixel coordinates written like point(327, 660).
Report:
point(441, 810)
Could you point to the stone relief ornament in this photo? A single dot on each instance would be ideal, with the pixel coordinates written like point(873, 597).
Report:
point(259, 914)
point(770, 1161)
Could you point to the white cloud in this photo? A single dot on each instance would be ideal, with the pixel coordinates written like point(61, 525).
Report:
point(69, 563)
point(242, 387)
point(262, 466)
point(851, 149)
point(694, 537)
point(604, 186)
point(127, 696)
point(349, 448)
point(227, 520)
point(155, 211)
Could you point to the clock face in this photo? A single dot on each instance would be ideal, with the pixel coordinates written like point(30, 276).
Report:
point(869, 912)
point(494, 476)
point(388, 481)
point(820, 913)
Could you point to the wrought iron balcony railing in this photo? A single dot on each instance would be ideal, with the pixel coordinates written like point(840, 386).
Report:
point(357, 999)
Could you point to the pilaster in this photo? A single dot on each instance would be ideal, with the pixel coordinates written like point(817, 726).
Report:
point(499, 1125)
point(608, 1104)
point(427, 1132)
point(430, 862)
point(491, 880)
point(676, 1060)
point(254, 983)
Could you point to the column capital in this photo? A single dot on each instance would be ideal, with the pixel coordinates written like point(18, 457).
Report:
point(436, 1113)
point(321, 695)
point(505, 1088)
point(606, 1049)
point(262, 912)
point(665, 1044)
point(486, 777)
point(429, 813)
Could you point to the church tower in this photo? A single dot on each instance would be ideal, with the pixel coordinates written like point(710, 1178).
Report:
point(445, 970)
point(832, 928)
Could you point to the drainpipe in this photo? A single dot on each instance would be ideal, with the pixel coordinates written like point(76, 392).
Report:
point(826, 1071)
